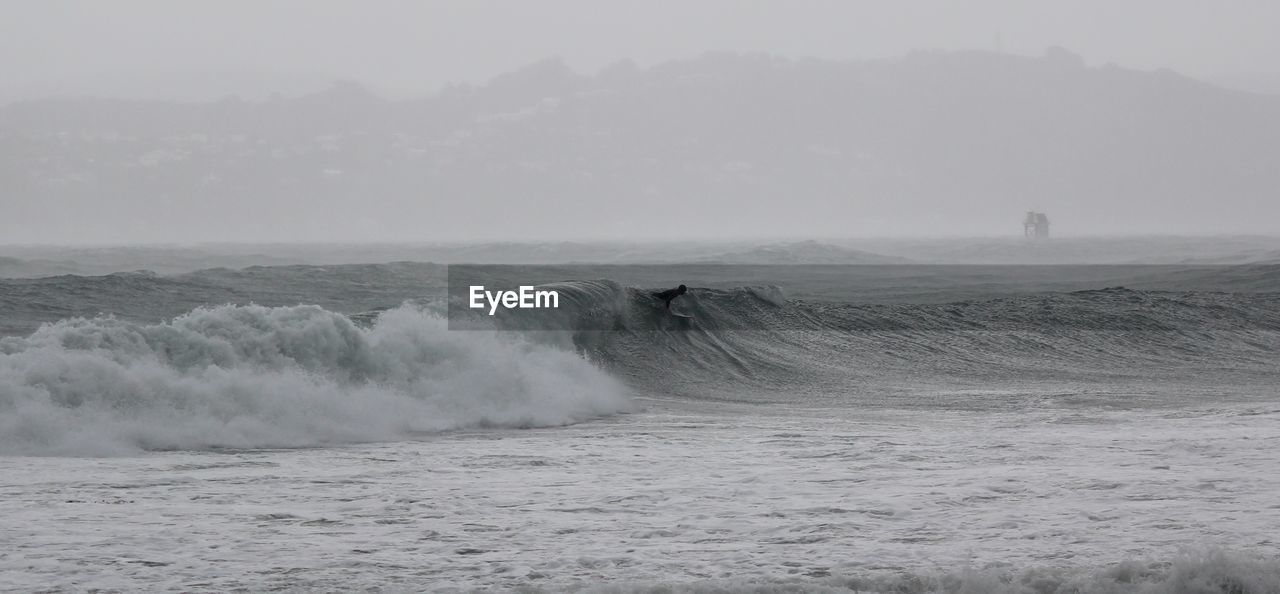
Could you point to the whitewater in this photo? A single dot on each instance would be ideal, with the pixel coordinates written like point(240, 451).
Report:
point(253, 376)
point(319, 432)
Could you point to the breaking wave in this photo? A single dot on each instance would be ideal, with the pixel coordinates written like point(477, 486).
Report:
point(252, 377)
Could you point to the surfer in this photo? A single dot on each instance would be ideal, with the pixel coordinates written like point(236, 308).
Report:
point(669, 295)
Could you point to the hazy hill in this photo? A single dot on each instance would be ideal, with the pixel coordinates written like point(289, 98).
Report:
point(724, 146)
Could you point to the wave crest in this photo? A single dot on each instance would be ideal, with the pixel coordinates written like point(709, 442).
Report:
point(252, 376)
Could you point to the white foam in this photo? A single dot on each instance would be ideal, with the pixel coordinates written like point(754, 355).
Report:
point(279, 377)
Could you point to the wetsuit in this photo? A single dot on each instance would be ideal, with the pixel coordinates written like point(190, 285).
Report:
point(668, 295)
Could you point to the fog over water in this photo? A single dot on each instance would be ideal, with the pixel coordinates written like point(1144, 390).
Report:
point(290, 121)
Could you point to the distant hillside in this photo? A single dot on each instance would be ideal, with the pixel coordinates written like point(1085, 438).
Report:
point(724, 146)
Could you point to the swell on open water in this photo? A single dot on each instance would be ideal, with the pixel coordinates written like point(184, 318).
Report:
point(258, 376)
point(245, 376)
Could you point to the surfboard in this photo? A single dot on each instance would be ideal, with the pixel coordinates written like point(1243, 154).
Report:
point(680, 315)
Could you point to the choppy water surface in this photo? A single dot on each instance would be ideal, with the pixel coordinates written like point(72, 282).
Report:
point(688, 498)
point(1094, 441)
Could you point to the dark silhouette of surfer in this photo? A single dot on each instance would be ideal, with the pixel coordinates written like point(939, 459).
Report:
point(669, 295)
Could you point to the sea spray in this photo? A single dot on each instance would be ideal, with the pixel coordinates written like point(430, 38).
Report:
point(252, 376)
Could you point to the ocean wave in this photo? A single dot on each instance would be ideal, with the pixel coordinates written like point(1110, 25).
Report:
point(253, 377)
point(749, 343)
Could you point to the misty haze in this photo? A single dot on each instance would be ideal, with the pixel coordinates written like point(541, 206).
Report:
point(951, 143)
point(823, 296)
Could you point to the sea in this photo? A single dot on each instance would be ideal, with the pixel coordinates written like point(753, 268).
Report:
point(895, 427)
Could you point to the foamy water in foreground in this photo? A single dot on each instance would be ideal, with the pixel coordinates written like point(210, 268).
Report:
point(740, 498)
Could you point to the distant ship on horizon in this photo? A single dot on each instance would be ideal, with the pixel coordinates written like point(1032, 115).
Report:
point(1036, 224)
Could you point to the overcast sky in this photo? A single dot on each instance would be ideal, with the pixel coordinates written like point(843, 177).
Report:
point(415, 46)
